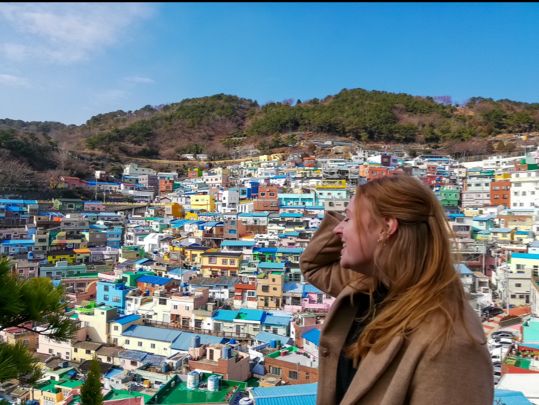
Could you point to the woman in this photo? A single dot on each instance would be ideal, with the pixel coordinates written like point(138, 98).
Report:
point(400, 330)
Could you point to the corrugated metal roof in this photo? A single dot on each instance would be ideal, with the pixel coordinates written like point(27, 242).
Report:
point(132, 355)
point(154, 280)
point(151, 333)
point(277, 320)
point(309, 288)
point(126, 319)
point(225, 315)
point(266, 337)
point(312, 336)
point(246, 243)
point(285, 391)
point(271, 265)
point(185, 341)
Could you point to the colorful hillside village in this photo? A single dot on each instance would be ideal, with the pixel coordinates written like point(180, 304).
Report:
point(188, 289)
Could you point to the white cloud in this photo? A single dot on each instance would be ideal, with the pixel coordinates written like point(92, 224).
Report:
point(15, 81)
point(67, 32)
point(139, 79)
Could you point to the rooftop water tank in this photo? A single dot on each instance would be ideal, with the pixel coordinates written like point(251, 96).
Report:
point(193, 380)
point(214, 383)
point(196, 341)
point(226, 352)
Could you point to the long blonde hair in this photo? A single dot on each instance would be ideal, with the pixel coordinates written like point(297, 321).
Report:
point(416, 260)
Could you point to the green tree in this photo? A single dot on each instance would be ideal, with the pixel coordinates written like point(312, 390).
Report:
point(27, 304)
point(90, 392)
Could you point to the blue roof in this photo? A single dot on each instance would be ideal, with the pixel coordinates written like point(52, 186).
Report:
point(532, 256)
point(185, 341)
point(142, 261)
point(271, 266)
point(154, 360)
point(507, 397)
point(136, 355)
point(225, 315)
point(266, 337)
point(251, 314)
point(265, 250)
point(297, 394)
point(291, 215)
point(482, 218)
point(501, 230)
point(277, 320)
point(154, 280)
point(238, 243)
point(123, 320)
point(292, 286)
point(463, 269)
point(312, 336)
point(287, 234)
point(290, 250)
point(151, 333)
point(113, 372)
point(18, 242)
point(309, 288)
point(24, 202)
point(253, 214)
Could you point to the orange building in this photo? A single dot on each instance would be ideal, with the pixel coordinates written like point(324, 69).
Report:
point(500, 193)
point(267, 199)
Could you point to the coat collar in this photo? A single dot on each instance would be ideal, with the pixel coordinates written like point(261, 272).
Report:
point(370, 369)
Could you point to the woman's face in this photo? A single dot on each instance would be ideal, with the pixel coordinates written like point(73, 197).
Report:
point(359, 242)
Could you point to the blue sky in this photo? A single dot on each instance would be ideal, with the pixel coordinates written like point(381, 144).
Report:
point(68, 62)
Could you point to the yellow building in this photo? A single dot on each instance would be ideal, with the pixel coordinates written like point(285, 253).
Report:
point(193, 254)
point(174, 210)
point(82, 351)
point(216, 263)
point(502, 176)
point(203, 202)
point(68, 256)
point(269, 290)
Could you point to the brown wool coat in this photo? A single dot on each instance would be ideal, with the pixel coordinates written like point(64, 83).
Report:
point(404, 372)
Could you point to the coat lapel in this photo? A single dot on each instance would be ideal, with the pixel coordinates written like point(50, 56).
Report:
point(370, 369)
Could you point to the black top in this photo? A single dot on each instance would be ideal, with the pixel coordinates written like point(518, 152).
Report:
point(345, 366)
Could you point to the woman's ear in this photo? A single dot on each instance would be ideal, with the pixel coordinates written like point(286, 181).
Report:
point(391, 226)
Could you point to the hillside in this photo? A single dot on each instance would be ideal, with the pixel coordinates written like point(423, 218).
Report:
point(220, 125)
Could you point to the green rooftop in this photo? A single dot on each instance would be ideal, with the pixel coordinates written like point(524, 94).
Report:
point(179, 394)
point(71, 384)
point(82, 275)
point(49, 386)
point(125, 394)
point(277, 353)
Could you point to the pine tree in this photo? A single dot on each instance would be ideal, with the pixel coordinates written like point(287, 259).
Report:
point(26, 304)
point(90, 392)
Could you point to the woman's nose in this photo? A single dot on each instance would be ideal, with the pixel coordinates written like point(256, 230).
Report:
point(338, 229)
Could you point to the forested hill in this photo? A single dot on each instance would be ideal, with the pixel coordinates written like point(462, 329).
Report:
point(215, 123)
point(221, 123)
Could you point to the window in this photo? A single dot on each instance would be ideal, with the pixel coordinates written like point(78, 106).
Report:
point(126, 341)
point(224, 261)
point(88, 351)
point(133, 362)
point(139, 344)
point(105, 297)
point(265, 288)
point(518, 284)
point(212, 260)
point(106, 288)
point(275, 370)
point(152, 345)
point(162, 301)
point(76, 350)
point(293, 375)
